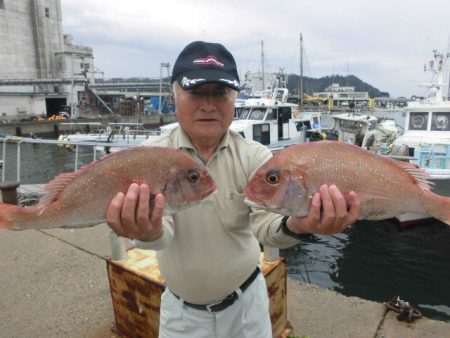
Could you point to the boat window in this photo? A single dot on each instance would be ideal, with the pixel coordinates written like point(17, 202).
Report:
point(261, 133)
point(279, 94)
point(418, 121)
point(257, 114)
point(2, 4)
point(238, 112)
point(303, 125)
point(285, 114)
point(440, 121)
point(349, 124)
point(270, 114)
point(244, 114)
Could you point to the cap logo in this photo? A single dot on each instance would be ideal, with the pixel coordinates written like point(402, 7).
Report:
point(186, 83)
point(234, 83)
point(209, 60)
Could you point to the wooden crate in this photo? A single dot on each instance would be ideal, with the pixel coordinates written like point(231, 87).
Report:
point(136, 287)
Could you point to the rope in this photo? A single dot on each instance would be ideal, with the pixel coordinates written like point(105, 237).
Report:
point(405, 311)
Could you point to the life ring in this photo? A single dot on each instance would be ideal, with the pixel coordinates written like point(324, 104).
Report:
point(418, 121)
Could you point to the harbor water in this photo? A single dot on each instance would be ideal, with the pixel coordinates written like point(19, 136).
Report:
point(376, 260)
point(372, 260)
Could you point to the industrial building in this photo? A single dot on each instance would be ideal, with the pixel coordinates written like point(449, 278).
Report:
point(43, 73)
point(344, 96)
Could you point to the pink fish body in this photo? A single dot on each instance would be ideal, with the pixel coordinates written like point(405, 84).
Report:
point(387, 188)
point(81, 198)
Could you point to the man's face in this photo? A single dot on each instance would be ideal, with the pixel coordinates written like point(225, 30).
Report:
point(205, 112)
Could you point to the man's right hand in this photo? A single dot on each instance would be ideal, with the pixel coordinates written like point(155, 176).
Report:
point(129, 214)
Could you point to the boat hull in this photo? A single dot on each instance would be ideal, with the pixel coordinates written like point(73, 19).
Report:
point(441, 187)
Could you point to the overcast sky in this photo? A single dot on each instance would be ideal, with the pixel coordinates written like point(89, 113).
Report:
point(385, 42)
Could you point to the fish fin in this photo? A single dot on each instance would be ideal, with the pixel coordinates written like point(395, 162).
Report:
point(438, 207)
point(420, 176)
point(54, 188)
point(13, 217)
point(60, 182)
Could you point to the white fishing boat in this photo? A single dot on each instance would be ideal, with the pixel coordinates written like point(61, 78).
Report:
point(271, 121)
point(363, 130)
point(427, 131)
point(275, 122)
point(122, 135)
point(83, 132)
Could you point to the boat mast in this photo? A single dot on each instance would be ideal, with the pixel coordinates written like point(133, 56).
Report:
point(262, 65)
point(438, 66)
point(300, 92)
point(443, 75)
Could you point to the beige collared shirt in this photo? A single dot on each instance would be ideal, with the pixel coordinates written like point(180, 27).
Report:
point(207, 251)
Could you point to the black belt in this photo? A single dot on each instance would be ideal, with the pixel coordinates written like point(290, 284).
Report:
point(228, 300)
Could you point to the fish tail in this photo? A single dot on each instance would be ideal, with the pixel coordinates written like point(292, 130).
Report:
point(439, 207)
point(13, 217)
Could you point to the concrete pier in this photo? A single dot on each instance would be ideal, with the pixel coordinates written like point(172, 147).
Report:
point(53, 283)
point(53, 128)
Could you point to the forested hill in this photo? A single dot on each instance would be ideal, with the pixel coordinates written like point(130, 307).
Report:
point(311, 85)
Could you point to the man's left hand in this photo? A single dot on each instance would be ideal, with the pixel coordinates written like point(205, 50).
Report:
point(329, 214)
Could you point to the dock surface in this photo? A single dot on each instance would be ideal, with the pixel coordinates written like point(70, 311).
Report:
point(53, 283)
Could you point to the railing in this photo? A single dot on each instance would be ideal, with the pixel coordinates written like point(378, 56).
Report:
point(75, 146)
point(118, 244)
point(434, 156)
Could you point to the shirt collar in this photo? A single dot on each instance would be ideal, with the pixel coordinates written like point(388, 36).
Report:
point(185, 142)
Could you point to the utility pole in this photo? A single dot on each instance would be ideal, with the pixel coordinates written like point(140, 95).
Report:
point(163, 65)
point(72, 87)
point(262, 65)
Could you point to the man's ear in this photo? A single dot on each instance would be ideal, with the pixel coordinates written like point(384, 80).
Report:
point(172, 92)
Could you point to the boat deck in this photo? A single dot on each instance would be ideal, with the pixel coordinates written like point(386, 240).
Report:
point(31, 188)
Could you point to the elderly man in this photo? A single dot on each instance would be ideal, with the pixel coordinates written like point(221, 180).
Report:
point(209, 254)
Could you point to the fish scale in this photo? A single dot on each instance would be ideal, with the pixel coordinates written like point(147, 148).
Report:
point(386, 188)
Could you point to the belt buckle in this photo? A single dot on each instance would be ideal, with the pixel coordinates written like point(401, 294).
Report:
point(209, 306)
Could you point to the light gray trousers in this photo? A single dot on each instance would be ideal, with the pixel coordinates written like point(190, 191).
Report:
point(246, 317)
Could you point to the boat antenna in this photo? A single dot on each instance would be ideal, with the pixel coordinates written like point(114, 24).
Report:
point(300, 92)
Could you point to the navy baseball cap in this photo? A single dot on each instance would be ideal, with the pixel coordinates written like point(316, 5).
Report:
point(205, 62)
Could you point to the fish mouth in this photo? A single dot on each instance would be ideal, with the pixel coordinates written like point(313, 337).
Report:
point(208, 193)
point(261, 206)
point(252, 204)
point(271, 208)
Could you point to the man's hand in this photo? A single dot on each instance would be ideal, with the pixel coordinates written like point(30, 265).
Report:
point(334, 216)
point(130, 216)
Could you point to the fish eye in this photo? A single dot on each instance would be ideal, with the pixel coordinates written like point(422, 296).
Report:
point(193, 176)
point(273, 176)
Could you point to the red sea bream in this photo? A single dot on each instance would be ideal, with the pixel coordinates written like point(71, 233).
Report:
point(286, 183)
point(81, 198)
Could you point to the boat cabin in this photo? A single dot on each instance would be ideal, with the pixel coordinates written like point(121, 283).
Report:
point(427, 135)
point(269, 124)
point(352, 128)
